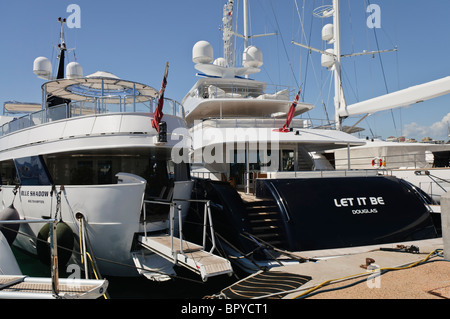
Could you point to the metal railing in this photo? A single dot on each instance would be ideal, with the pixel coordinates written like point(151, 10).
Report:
point(243, 122)
point(391, 161)
point(174, 205)
point(217, 175)
point(93, 106)
point(220, 89)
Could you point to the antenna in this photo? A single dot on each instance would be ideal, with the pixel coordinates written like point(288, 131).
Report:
point(228, 32)
point(62, 49)
point(61, 33)
point(202, 53)
point(42, 66)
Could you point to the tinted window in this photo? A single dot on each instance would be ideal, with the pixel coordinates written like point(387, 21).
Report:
point(8, 173)
point(32, 171)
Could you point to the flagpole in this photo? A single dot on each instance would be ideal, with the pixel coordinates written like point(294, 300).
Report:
point(290, 113)
point(158, 112)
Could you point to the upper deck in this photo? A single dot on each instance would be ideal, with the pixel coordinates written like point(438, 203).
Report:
point(234, 97)
point(91, 95)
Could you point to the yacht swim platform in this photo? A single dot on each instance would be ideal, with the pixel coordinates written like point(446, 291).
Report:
point(18, 287)
point(187, 254)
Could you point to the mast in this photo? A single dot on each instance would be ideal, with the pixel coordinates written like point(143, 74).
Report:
point(62, 50)
point(228, 33)
point(331, 58)
point(54, 100)
point(245, 24)
point(338, 94)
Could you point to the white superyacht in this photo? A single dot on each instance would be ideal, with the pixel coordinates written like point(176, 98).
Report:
point(89, 156)
point(245, 140)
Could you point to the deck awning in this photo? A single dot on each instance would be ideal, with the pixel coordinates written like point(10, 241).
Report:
point(100, 85)
point(13, 107)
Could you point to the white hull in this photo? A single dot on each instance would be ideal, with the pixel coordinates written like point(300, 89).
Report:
point(111, 211)
point(112, 215)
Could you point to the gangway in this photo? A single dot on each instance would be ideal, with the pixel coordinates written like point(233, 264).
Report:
point(181, 252)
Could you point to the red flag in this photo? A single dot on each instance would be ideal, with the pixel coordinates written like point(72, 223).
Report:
point(158, 112)
point(291, 113)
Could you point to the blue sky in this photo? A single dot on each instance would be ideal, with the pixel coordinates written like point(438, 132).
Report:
point(133, 39)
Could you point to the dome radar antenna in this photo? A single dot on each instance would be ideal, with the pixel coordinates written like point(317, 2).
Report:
point(42, 66)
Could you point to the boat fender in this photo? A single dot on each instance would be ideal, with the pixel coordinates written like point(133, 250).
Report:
point(65, 242)
point(10, 230)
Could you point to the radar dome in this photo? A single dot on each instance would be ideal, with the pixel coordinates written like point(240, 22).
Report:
point(220, 62)
point(328, 32)
point(252, 57)
point(202, 52)
point(74, 70)
point(42, 67)
point(327, 60)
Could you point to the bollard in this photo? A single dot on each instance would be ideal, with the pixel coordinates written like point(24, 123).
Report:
point(445, 219)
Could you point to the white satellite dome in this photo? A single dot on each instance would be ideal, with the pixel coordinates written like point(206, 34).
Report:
point(220, 62)
point(202, 52)
point(328, 32)
point(74, 70)
point(327, 60)
point(42, 67)
point(252, 57)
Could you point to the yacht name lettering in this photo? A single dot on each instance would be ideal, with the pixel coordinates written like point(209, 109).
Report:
point(358, 201)
point(34, 193)
point(364, 211)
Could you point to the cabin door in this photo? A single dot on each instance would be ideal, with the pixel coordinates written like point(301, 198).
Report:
point(246, 166)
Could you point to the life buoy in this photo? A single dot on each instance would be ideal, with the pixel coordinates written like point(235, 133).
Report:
point(378, 162)
point(10, 231)
point(65, 242)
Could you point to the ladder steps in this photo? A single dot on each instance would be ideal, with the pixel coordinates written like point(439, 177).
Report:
point(193, 255)
point(262, 211)
point(263, 221)
point(264, 228)
point(265, 235)
point(263, 216)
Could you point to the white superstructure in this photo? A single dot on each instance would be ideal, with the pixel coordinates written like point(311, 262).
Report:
point(235, 120)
